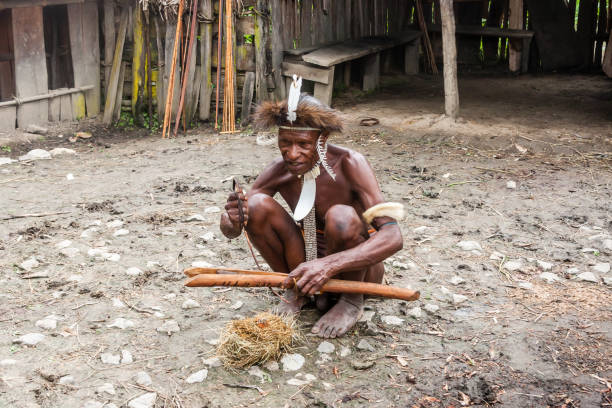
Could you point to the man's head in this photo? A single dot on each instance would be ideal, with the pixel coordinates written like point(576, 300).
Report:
point(298, 147)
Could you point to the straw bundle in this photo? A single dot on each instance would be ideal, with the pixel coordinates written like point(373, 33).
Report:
point(257, 339)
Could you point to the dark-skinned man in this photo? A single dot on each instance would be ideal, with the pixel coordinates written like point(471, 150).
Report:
point(341, 227)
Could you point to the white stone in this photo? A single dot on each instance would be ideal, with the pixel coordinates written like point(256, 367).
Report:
point(195, 217)
point(126, 357)
point(106, 388)
point(496, 256)
point(364, 345)
point(30, 339)
point(607, 244)
point(589, 250)
point(47, 324)
point(513, 266)
point(401, 265)
point(607, 280)
point(599, 237)
point(190, 304)
point(588, 277)
point(201, 264)
point(63, 244)
point(213, 362)
point(121, 323)
point(118, 303)
point(36, 154)
point(445, 291)
point(469, 246)
point(271, 365)
point(110, 358)
point(66, 380)
point(292, 362)
point(169, 327)
point(212, 210)
point(457, 280)
point(457, 299)
point(207, 252)
point(573, 271)
point(367, 316)
point(94, 404)
point(197, 377)
point(327, 386)
point(75, 278)
point(133, 271)
point(420, 230)
point(96, 252)
point(300, 379)
point(69, 252)
point(144, 379)
point(29, 264)
point(7, 362)
point(114, 224)
point(6, 160)
point(549, 277)
point(208, 237)
point(58, 151)
point(431, 308)
point(415, 312)
point(144, 401)
point(88, 233)
point(36, 129)
point(392, 320)
point(111, 256)
point(344, 351)
point(326, 347)
point(237, 305)
point(545, 266)
point(511, 184)
point(170, 296)
point(525, 285)
point(121, 232)
point(257, 372)
point(602, 267)
point(212, 342)
point(159, 315)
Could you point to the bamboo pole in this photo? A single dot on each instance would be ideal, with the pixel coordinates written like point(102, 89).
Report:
point(189, 41)
point(168, 114)
point(115, 70)
point(229, 117)
point(219, 38)
point(449, 48)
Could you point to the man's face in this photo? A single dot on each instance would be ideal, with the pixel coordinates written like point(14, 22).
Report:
point(299, 150)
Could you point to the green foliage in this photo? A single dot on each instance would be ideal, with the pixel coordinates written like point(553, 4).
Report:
point(249, 38)
point(126, 121)
point(6, 149)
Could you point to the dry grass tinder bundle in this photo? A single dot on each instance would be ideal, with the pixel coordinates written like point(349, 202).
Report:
point(257, 339)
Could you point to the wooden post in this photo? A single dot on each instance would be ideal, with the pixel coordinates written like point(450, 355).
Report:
point(159, 84)
point(109, 104)
point(515, 22)
point(261, 40)
point(119, 98)
point(607, 61)
point(277, 45)
point(138, 61)
point(247, 97)
point(206, 9)
point(449, 48)
point(109, 40)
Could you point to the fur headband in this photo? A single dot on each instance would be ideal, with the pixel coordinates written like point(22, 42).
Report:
point(310, 113)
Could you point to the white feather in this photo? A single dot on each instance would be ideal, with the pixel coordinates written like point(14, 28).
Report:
point(391, 210)
point(294, 97)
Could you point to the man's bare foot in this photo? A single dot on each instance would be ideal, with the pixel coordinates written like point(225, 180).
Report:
point(340, 318)
point(291, 303)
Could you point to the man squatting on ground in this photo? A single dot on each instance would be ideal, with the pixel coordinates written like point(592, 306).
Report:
point(345, 230)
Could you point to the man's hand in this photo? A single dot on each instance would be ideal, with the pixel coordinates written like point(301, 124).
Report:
point(236, 215)
point(310, 277)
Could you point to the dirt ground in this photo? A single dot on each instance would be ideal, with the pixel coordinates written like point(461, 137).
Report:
point(515, 340)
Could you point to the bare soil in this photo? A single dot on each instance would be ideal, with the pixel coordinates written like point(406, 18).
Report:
point(506, 345)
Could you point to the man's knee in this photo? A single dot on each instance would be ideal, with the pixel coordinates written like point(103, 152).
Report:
point(343, 226)
point(261, 208)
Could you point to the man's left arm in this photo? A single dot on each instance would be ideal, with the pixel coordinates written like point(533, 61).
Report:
point(311, 276)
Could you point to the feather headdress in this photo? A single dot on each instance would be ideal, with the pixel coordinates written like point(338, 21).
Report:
point(309, 113)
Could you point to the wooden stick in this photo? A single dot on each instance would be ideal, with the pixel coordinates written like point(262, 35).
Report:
point(219, 35)
point(168, 114)
point(191, 36)
point(333, 285)
point(195, 271)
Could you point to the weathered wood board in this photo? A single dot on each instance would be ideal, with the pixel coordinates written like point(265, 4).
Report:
point(30, 79)
point(85, 50)
point(54, 109)
point(8, 116)
point(65, 108)
point(206, 59)
point(247, 97)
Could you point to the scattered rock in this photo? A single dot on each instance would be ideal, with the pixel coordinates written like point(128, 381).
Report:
point(457, 299)
point(169, 327)
point(420, 230)
point(415, 312)
point(208, 237)
point(195, 217)
point(110, 256)
point(133, 271)
point(588, 277)
point(30, 339)
point(549, 277)
point(7, 362)
point(257, 372)
point(525, 285)
point(212, 210)
point(121, 232)
point(607, 280)
point(88, 233)
point(364, 345)
point(69, 176)
point(292, 362)
point(63, 244)
point(367, 316)
point(144, 401)
point(110, 358)
point(126, 357)
point(404, 266)
point(36, 129)
point(47, 324)
point(66, 380)
point(431, 308)
point(215, 362)
point(118, 303)
point(362, 365)
point(511, 184)
point(607, 244)
point(497, 256)
point(271, 365)
point(572, 271)
point(170, 296)
point(603, 267)
point(344, 351)
point(94, 404)
point(202, 264)
point(121, 323)
point(114, 224)
point(326, 347)
point(190, 304)
point(29, 264)
point(106, 388)
point(237, 305)
point(445, 291)
point(513, 266)
point(545, 266)
point(58, 151)
point(301, 379)
point(392, 320)
point(469, 246)
point(6, 160)
point(197, 377)
point(143, 379)
point(36, 154)
point(457, 280)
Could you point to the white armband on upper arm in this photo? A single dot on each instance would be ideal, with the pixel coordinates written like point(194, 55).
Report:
point(391, 210)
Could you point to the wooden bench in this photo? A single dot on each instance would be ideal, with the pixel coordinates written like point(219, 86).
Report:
point(525, 35)
point(318, 64)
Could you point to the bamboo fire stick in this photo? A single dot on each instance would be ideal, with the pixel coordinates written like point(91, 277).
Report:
point(210, 277)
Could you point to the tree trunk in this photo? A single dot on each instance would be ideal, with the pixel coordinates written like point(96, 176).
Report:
point(449, 47)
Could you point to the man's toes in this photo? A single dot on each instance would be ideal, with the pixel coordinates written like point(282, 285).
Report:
point(334, 333)
point(328, 332)
point(316, 328)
